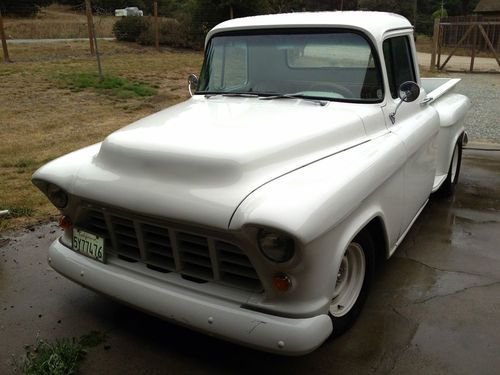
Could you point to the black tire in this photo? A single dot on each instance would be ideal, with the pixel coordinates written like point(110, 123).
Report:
point(448, 187)
point(342, 323)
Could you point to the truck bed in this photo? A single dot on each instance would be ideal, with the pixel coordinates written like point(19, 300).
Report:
point(452, 108)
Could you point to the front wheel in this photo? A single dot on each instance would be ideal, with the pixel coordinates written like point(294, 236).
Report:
point(352, 283)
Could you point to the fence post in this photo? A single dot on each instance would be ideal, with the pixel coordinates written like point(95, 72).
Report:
point(97, 56)
point(6, 57)
point(474, 45)
point(435, 41)
point(440, 43)
point(90, 22)
point(157, 32)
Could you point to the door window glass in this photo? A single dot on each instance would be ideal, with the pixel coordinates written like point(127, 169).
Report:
point(399, 62)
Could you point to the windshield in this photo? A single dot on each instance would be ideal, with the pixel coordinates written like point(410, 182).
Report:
point(333, 65)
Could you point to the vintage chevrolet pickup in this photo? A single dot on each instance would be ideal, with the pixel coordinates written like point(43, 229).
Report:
point(257, 210)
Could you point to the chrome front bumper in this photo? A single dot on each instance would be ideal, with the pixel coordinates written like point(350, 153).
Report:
point(213, 316)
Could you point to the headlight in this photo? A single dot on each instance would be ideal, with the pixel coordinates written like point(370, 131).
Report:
point(276, 246)
point(57, 196)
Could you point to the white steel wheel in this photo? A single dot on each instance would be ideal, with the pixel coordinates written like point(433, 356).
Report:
point(352, 283)
point(350, 280)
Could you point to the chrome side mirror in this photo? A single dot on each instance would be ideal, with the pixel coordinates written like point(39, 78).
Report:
point(192, 83)
point(408, 92)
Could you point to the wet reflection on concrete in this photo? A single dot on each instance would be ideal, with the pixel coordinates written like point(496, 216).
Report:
point(434, 307)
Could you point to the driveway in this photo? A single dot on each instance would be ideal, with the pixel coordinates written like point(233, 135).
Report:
point(434, 308)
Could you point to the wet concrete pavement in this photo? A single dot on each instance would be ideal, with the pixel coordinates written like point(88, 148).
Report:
point(434, 308)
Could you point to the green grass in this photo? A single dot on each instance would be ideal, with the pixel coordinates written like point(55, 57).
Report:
point(18, 212)
point(109, 84)
point(62, 357)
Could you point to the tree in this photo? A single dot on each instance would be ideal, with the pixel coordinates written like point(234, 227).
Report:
point(208, 13)
point(404, 8)
point(22, 8)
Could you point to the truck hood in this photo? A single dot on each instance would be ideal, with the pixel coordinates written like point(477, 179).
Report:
point(198, 160)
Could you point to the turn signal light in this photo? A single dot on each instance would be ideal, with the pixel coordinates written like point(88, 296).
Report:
point(282, 282)
point(65, 222)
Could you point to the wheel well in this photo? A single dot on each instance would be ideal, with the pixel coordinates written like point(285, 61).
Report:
point(377, 233)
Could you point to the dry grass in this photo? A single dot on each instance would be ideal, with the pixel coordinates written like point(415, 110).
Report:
point(41, 120)
point(57, 21)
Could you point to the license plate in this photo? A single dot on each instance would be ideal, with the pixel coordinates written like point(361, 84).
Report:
point(88, 244)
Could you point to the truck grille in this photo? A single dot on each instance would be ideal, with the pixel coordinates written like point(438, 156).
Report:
point(163, 249)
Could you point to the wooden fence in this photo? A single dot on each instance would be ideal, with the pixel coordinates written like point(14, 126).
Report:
point(472, 33)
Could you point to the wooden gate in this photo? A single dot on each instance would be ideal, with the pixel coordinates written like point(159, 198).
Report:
point(471, 34)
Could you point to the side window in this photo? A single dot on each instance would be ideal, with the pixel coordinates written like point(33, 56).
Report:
point(399, 62)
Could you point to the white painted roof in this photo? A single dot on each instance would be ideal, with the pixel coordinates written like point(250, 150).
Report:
point(373, 23)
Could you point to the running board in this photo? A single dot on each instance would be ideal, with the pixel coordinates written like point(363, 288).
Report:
point(402, 237)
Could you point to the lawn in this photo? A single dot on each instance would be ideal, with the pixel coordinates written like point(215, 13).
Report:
point(51, 103)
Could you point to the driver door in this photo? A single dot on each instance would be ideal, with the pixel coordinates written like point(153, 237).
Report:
point(416, 124)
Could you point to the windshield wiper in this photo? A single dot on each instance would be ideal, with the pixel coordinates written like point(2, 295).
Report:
point(295, 96)
point(233, 94)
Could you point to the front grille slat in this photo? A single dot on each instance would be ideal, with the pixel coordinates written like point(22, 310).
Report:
point(238, 270)
point(162, 249)
point(165, 241)
point(154, 248)
point(235, 259)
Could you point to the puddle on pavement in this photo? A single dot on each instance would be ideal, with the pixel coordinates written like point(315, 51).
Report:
point(452, 247)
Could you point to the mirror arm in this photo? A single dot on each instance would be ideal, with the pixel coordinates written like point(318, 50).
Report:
point(192, 80)
point(392, 115)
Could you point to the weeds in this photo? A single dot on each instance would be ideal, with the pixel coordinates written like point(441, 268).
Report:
point(110, 84)
point(62, 357)
point(19, 212)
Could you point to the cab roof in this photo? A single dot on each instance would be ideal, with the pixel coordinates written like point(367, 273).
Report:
point(375, 24)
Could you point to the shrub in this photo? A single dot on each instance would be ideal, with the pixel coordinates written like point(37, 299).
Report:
point(128, 29)
point(173, 33)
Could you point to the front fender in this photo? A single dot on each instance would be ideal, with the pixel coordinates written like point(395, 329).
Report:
point(324, 205)
point(312, 200)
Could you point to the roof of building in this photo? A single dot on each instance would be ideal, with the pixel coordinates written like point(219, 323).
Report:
point(374, 23)
point(486, 6)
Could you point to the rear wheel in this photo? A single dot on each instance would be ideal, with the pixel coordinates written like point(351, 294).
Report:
point(448, 187)
point(353, 281)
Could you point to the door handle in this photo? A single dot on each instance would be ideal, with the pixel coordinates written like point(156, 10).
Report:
point(426, 100)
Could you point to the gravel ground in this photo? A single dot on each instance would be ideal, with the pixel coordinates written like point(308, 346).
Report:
point(482, 122)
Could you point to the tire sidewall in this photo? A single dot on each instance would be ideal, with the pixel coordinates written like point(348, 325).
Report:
point(343, 323)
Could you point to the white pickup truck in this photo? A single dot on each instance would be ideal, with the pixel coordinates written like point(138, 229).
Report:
point(257, 210)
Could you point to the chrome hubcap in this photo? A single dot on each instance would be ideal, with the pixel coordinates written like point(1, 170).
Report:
point(349, 280)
